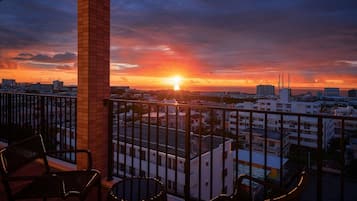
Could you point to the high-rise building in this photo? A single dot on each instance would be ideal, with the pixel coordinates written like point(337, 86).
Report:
point(332, 92)
point(352, 93)
point(265, 90)
point(8, 83)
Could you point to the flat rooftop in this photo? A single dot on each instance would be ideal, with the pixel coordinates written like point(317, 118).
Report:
point(171, 139)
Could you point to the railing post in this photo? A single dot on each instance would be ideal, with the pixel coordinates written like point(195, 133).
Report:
point(319, 160)
point(9, 115)
point(187, 155)
point(42, 119)
point(109, 104)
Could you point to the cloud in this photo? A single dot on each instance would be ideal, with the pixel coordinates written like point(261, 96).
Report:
point(351, 63)
point(7, 64)
point(37, 23)
point(221, 35)
point(235, 39)
point(65, 67)
point(57, 58)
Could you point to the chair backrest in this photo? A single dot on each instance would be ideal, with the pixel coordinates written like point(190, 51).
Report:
point(295, 192)
point(21, 153)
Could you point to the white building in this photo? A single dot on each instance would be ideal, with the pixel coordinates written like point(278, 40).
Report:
point(161, 160)
point(308, 125)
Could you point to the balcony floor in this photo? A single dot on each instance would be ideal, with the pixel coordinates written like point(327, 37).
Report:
point(33, 168)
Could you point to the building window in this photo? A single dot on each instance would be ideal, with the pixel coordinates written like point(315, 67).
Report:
point(122, 167)
point(174, 165)
point(271, 144)
point(169, 163)
point(158, 160)
point(169, 184)
point(132, 151)
point(142, 173)
point(132, 171)
point(142, 155)
point(174, 184)
point(225, 172)
point(122, 149)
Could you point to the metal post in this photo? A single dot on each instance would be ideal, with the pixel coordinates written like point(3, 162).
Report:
point(110, 138)
point(187, 155)
point(319, 160)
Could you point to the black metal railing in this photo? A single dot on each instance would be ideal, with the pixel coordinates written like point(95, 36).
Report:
point(199, 151)
point(52, 116)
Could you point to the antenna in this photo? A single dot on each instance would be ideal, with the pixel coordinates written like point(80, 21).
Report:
point(279, 81)
point(283, 80)
point(288, 80)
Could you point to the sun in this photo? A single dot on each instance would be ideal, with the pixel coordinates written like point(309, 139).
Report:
point(176, 81)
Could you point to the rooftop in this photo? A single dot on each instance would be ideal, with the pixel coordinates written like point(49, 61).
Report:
point(141, 134)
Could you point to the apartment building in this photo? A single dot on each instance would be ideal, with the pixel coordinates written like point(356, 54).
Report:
point(258, 141)
point(159, 152)
point(275, 122)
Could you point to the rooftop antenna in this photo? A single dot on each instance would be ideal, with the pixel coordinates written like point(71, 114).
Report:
point(288, 80)
point(279, 81)
point(282, 80)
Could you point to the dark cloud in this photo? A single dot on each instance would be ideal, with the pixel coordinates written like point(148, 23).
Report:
point(307, 37)
point(57, 58)
point(65, 67)
point(37, 23)
point(226, 34)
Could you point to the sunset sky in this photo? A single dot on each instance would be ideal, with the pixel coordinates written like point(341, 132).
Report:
point(220, 43)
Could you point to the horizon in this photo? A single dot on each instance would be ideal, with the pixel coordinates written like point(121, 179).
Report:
point(215, 89)
point(208, 44)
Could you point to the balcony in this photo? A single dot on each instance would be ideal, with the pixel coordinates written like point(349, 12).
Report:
point(194, 163)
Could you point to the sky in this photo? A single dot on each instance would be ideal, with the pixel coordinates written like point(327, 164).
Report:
point(209, 43)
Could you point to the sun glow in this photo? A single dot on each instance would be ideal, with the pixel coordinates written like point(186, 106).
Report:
point(176, 81)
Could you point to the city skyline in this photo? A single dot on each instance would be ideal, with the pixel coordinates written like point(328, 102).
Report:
point(207, 43)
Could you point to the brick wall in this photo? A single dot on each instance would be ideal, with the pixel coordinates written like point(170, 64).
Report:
point(93, 81)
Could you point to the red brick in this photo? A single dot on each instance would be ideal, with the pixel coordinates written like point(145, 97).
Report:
point(93, 80)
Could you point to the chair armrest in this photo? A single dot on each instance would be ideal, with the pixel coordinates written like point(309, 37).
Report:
point(89, 155)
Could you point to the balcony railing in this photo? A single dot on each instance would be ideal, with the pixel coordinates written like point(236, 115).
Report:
point(197, 151)
point(53, 116)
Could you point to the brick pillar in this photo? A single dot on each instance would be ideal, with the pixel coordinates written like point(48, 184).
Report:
point(93, 81)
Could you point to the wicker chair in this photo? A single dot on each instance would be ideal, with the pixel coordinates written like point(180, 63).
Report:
point(292, 194)
point(41, 182)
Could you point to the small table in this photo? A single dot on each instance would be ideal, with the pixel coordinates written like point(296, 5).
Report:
point(137, 189)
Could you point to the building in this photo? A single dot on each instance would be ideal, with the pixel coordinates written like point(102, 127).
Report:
point(265, 90)
point(258, 141)
point(308, 125)
point(331, 92)
point(57, 85)
point(352, 93)
point(137, 154)
point(8, 84)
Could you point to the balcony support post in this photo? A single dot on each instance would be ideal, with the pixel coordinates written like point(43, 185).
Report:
point(93, 81)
